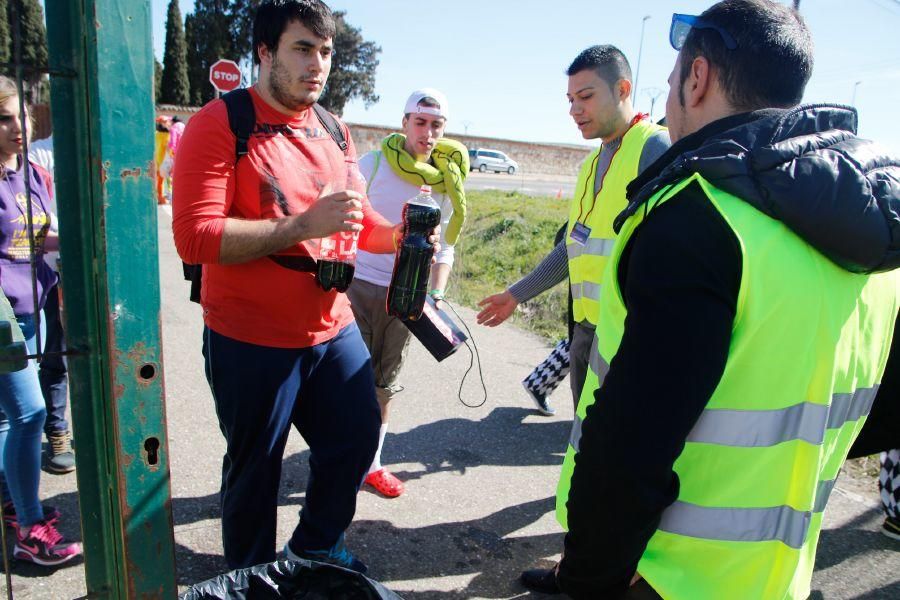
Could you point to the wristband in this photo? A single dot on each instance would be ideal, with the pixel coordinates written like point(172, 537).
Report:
point(436, 294)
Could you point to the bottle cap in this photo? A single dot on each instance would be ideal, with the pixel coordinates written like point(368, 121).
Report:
point(425, 189)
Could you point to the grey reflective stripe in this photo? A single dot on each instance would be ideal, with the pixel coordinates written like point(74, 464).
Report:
point(587, 290)
point(760, 428)
point(846, 408)
point(575, 435)
point(598, 365)
point(823, 492)
point(756, 428)
point(592, 247)
point(600, 368)
point(779, 523)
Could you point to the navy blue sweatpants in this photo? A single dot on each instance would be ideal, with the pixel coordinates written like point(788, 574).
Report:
point(328, 393)
point(53, 370)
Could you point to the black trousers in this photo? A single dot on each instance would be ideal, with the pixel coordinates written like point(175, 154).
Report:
point(327, 392)
point(52, 371)
point(641, 591)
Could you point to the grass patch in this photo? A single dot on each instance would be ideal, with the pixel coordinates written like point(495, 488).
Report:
point(506, 235)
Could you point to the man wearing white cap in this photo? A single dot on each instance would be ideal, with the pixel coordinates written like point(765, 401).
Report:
point(417, 156)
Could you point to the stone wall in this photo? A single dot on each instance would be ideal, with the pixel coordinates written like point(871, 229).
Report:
point(547, 159)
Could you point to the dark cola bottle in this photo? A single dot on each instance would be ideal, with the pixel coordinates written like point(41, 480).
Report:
point(336, 263)
point(412, 265)
point(334, 274)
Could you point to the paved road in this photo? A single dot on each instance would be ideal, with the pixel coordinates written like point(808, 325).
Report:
point(478, 507)
point(532, 185)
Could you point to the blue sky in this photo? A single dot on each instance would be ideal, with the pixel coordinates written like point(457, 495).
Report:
point(501, 64)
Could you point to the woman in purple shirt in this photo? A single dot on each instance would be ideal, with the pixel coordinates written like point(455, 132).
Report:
point(22, 409)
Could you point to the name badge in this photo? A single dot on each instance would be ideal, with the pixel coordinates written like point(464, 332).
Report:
point(580, 233)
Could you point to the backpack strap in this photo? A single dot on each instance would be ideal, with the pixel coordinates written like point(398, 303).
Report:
point(241, 119)
point(332, 126)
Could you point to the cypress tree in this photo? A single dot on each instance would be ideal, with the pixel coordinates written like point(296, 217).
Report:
point(209, 39)
point(5, 35)
point(193, 62)
point(33, 44)
point(241, 30)
point(157, 81)
point(175, 86)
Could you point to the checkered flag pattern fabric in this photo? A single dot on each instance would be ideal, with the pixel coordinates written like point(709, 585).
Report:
point(547, 376)
point(889, 483)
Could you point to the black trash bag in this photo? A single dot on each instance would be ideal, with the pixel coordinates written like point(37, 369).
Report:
point(288, 579)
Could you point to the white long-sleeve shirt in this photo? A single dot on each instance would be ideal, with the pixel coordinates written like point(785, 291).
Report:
point(387, 195)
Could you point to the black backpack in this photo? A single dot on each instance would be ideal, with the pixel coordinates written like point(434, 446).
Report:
point(241, 120)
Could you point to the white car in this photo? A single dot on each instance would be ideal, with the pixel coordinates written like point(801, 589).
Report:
point(485, 160)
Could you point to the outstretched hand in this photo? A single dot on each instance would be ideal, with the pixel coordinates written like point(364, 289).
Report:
point(496, 309)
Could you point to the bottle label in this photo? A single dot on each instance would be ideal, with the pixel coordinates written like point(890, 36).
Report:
point(341, 246)
point(346, 246)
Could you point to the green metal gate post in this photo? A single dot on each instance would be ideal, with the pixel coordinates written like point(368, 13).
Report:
point(101, 64)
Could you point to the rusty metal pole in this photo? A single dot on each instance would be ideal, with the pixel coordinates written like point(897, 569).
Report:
point(102, 126)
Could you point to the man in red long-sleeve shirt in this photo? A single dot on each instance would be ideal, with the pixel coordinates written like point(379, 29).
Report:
point(279, 349)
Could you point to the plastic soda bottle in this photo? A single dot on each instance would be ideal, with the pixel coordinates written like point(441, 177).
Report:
point(412, 266)
point(337, 253)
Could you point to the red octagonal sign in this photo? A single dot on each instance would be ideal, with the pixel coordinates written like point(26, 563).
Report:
point(225, 75)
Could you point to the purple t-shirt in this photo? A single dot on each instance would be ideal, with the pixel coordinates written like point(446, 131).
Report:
point(15, 251)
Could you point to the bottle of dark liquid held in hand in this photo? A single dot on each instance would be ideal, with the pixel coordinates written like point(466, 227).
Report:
point(337, 253)
point(412, 266)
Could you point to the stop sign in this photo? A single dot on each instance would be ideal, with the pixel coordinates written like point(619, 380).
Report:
point(225, 75)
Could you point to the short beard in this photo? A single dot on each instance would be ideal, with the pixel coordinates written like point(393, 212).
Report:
point(279, 86)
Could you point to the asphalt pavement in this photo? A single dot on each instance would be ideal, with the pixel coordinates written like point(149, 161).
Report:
point(530, 184)
point(480, 481)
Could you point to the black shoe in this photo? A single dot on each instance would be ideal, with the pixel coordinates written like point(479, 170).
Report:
point(336, 555)
point(540, 580)
point(60, 456)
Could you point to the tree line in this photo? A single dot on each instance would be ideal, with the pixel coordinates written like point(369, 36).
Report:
point(29, 17)
point(223, 29)
point(215, 29)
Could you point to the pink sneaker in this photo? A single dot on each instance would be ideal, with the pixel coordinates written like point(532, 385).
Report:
point(51, 514)
point(44, 545)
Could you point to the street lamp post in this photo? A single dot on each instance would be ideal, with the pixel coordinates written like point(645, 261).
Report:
point(637, 73)
point(654, 93)
point(853, 98)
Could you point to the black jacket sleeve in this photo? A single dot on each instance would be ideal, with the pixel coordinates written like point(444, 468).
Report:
point(680, 276)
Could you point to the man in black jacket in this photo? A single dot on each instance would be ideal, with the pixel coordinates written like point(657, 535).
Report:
point(684, 277)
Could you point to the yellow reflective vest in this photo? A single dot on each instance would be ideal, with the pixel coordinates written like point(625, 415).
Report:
point(809, 345)
point(587, 261)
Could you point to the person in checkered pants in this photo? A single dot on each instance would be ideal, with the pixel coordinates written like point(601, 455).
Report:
point(889, 486)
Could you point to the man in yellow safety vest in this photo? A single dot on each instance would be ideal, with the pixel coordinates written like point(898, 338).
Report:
point(599, 93)
point(743, 329)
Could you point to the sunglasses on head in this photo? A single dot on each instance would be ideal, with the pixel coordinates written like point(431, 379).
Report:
point(682, 25)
